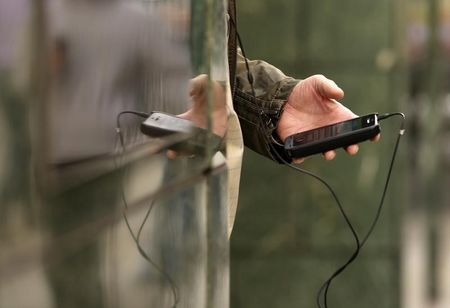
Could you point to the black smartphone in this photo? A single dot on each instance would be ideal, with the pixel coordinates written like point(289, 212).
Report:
point(160, 124)
point(332, 136)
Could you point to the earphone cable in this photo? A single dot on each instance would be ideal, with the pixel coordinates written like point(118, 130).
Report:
point(136, 238)
point(326, 285)
point(391, 166)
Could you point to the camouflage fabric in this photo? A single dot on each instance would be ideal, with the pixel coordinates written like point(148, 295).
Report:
point(259, 105)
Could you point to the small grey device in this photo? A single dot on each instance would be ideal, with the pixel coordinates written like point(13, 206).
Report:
point(160, 124)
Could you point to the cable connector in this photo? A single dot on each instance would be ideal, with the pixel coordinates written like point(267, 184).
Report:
point(384, 116)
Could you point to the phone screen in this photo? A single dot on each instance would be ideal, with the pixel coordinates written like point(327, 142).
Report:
point(354, 124)
point(335, 129)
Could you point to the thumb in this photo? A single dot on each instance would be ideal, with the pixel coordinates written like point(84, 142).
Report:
point(197, 85)
point(328, 88)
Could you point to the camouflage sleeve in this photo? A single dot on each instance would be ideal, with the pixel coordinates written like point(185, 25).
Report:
point(259, 111)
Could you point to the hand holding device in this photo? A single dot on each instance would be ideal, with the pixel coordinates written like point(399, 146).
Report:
point(160, 124)
point(313, 103)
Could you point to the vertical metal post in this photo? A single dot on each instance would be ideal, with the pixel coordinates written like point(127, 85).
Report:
point(418, 236)
point(36, 88)
point(443, 262)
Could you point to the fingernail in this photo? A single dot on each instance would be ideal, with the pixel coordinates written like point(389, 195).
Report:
point(330, 155)
point(298, 160)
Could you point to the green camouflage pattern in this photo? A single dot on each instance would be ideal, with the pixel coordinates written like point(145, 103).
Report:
point(260, 107)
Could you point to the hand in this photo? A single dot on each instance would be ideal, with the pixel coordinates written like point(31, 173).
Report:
point(313, 104)
point(198, 112)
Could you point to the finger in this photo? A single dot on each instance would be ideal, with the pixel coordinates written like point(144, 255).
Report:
point(352, 149)
point(171, 154)
point(298, 160)
point(198, 84)
point(376, 138)
point(187, 115)
point(329, 155)
point(328, 88)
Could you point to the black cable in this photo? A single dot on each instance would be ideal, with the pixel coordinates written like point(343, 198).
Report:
point(249, 74)
point(136, 238)
point(118, 126)
point(391, 165)
point(326, 285)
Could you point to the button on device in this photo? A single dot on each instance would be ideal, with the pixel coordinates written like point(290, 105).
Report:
point(299, 138)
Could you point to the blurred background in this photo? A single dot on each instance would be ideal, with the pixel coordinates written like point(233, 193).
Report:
point(93, 213)
point(289, 236)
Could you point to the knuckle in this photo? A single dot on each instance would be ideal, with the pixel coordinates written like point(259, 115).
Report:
point(319, 77)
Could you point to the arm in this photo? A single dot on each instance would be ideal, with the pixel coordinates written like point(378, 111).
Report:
point(282, 106)
point(259, 114)
point(279, 107)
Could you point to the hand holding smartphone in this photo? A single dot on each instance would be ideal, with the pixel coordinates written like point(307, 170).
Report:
point(330, 137)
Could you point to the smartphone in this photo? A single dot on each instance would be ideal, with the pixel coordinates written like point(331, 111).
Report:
point(332, 136)
point(160, 124)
